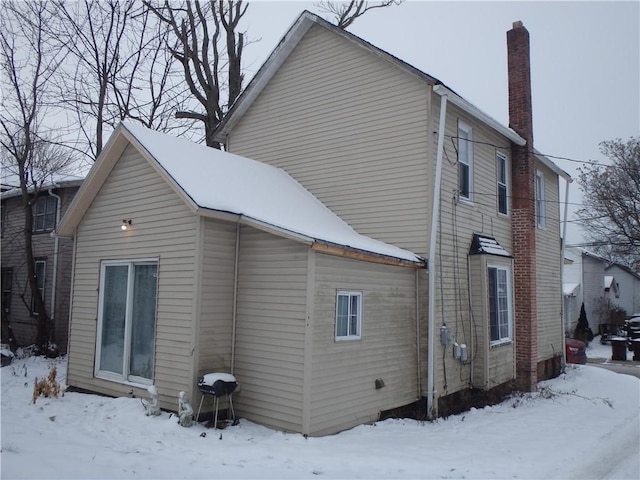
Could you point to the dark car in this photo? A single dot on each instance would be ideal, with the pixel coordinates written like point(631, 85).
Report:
point(576, 351)
point(632, 328)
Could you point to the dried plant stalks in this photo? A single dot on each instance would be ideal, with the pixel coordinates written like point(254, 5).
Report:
point(47, 387)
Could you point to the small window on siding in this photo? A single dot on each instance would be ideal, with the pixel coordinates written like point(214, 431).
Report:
point(348, 315)
point(44, 214)
point(541, 207)
point(502, 186)
point(465, 161)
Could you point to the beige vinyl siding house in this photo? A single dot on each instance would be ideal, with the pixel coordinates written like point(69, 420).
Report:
point(324, 87)
point(227, 286)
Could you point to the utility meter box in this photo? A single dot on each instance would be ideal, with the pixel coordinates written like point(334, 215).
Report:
point(445, 335)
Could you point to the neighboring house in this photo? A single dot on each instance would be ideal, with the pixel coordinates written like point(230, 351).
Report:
point(405, 160)
point(571, 294)
point(585, 281)
point(190, 260)
point(628, 285)
point(52, 260)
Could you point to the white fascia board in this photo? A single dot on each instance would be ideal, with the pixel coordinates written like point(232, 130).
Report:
point(478, 114)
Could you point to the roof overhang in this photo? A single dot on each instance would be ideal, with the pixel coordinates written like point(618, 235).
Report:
point(478, 114)
point(16, 191)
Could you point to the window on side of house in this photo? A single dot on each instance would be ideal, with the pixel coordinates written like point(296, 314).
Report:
point(41, 275)
point(465, 161)
point(500, 323)
point(541, 213)
point(348, 315)
point(44, 214)
point(127, 321)
point(502, 186)
point(7, 287)
point(3, 219)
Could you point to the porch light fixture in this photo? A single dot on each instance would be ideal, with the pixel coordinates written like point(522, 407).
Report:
point(126, 224)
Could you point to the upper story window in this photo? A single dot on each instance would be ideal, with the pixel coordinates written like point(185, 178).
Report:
point(44, 214)
point(465, 161)
point(348, 315)
point(502, 186)
point(541, 213)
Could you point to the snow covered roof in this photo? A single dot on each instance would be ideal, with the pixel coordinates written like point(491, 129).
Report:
point(11, 184)
point(570, 289)
point(257, 193)
point(483, 244)
point(610, 285)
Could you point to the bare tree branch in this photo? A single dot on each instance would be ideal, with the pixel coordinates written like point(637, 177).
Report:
point(345, 13)
point(611, 205)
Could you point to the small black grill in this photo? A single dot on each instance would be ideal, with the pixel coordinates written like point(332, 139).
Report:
point(217, 384)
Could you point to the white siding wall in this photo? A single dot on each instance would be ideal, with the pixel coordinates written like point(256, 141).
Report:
point(269, 362)
point(593, 280)
point(548, 276)
point(343, 392)
point(163, 227)
point(629, 289)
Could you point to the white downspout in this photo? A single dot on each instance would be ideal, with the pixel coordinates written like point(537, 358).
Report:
point(564, 242)
point(56, 247)
point(432, 250)
point(235, 300)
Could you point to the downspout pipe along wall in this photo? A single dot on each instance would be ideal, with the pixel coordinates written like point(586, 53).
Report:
point(564, 242)
point(443, 92)
point(56, 248)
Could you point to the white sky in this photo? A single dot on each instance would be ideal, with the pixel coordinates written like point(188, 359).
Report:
point(585, 62)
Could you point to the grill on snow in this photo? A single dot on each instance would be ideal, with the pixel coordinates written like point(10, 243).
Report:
point(217, 385)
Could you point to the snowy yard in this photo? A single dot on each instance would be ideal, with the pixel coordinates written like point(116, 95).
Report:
point(583, 424)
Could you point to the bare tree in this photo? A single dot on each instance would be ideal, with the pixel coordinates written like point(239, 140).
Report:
point(611, 205)
point(28, 62)
point(209, 47)
point(122, 70)
point(345, 13)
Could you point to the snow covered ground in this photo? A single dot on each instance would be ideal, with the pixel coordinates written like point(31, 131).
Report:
point(584, 424)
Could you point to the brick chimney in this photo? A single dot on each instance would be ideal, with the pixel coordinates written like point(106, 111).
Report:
point(523, 208)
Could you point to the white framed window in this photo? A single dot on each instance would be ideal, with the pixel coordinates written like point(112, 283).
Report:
point(541, 207)
point(465, 161)
point(125, 342)
point(500, 311)
point(41, 275)
point(348, 315)
point(502, 185)
point(44, 214)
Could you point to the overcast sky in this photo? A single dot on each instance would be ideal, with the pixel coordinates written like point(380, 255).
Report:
point(585, 60)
